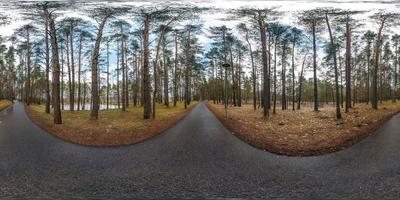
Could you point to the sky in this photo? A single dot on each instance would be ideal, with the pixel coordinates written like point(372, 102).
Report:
point(288, 7)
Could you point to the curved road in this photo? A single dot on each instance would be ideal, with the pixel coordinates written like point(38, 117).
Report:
point(197, 158)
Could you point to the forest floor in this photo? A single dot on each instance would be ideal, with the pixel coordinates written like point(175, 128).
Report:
point(4, 104)
point(304, 132)
point(113, 128)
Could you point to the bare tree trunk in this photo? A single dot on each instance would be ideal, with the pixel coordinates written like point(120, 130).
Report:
point(146, 77)
point(123, 68)
point(118, 69)
point(301, 82)
point(69, 72)
point(283, 77)
point(56, 72)
point(368, 69)
point(395, 72)
point(315, 68)
point(126, 77)
point(274, 108)
point(28, 62)
point(95, 62)
point(62, 78)
point(187, 51)
point(253, 72)
point(374, 97)
point(293, 75)
point(47, 59)
point(348, 66)
point(175, 70)
point(262, 30)
point(155, 72)
point(338, 114)
point(79, 71)
point(166, 93)
point(108, 75)
point(72, 89)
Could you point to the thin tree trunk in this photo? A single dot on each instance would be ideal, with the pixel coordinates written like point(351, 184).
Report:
point(72, 89)
point(315, 68)
point(301, 82)
point(47, 59)
point(28, 78)
point(348, 66)
point(79, 71)
point(123, 69)
point(108, 75)
point(262, 30)
point(374, 97)
point(166, 93)
point(338, 114)
point(175, 70)
point(274, 108)
point(293, 75)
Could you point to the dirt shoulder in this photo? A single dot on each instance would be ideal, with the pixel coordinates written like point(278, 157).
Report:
point(304, 132)
point(113, 128)
point(4, 104)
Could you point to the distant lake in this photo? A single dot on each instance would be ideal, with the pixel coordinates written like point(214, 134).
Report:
point(88, 106)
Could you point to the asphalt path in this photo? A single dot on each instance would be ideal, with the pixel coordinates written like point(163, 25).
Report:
point(197, 158)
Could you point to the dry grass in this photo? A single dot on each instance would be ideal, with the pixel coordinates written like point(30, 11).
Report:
point(304, 132)
point(113, 128)
point(4, 104)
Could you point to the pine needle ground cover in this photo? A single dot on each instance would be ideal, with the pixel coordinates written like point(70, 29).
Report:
point(304, 132)
point(113, 128)
point(4, 104)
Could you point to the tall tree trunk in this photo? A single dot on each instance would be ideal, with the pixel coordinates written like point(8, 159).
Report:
point(301, 82)
point(253, 72)
point(146, 77)
point(28, 78)
point(166, 86)
point(155, 72)
point(239, 73)
point(333, 46)
point(95, 62)
point(118, 69)
point(175, 70)
point(293, 75)
point(108, 75)
point(275, 43)
point(262, 30)
point(69, 71)
point(374, 97)
point(123, 68)
point(395, 72)
point(126, 77)
point(315, 68)
point(233, 76)
point(56, 72)
point(79, 71)
point(47, 58)
point(62, 78)
point(72, 89)
point(283, 77)
point(187, 65)
point(348, 66)
point(368, 69)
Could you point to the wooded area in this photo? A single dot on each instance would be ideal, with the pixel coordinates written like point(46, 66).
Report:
point(159, 57)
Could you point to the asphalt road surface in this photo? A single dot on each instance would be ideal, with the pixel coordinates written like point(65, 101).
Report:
point(197, 158)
